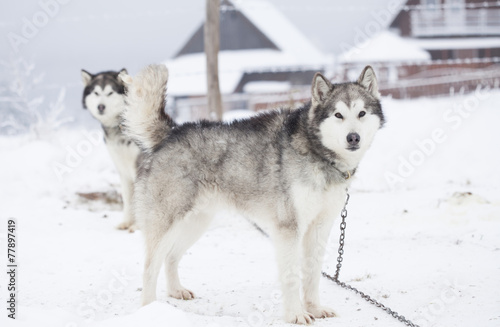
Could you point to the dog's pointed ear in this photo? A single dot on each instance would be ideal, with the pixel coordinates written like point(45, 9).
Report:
point(368, 80)
point(321, 88)
point(123, 70)
point(86, 77)
point(125, 77)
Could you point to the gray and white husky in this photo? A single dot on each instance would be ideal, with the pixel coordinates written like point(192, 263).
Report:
point(104, 97)
point(287, 170)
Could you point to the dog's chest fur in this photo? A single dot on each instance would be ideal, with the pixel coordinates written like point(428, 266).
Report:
point(123, 151)
point(315, 198)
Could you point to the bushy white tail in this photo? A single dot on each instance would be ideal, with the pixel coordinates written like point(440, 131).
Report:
point(145, 120)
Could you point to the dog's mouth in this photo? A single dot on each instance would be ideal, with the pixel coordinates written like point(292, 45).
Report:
point(353, 148)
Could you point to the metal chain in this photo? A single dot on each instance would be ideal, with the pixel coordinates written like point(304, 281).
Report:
point(335, 278)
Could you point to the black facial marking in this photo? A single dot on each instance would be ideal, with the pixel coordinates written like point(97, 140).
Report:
point(102, 79)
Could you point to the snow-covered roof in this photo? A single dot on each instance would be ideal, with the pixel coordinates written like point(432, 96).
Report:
point(279, 30)
point(458, 43)
point(385, 47)
point(187, 73)
point(267, 86)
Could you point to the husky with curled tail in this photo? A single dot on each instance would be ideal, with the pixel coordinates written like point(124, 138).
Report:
point(287, 170)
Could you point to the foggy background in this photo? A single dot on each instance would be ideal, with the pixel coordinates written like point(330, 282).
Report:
point(109, 35)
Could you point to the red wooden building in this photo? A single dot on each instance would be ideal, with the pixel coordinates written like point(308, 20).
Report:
point(461, 37)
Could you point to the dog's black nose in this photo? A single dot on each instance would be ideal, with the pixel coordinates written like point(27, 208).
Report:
point(101, 108)
point(353, 138)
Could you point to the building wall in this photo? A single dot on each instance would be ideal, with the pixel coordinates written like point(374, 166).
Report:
point(439, 22)
point(446, 54)
point(293, 77)
point(430, 78)
point(443, 77)
point(402, 20)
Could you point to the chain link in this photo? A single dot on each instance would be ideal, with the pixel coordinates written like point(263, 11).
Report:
point(336, 280)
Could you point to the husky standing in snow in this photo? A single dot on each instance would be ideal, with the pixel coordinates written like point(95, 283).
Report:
point(104, 97)
point(288, 170)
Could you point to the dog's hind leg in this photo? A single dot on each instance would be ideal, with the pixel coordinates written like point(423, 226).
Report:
point(186, 233)
point(157, 246)
point(128, 214)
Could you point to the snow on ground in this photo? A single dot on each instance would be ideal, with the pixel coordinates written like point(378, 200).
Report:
point(423, 234)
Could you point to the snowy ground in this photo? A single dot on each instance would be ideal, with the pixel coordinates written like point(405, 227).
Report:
point(423, 234)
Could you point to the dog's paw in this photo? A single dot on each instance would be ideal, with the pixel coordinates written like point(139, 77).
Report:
point(132, 228)
point(181, 294)
point(321, 312)
point(125, 225)
point(301, 318)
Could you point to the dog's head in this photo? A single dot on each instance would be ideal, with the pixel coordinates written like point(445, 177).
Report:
point(104, 96)
point(346, 116)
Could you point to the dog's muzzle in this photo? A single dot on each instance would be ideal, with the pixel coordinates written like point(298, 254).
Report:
point(353, 140)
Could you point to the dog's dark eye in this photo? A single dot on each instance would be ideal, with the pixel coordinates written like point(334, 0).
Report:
point(339, 116)
point(110, 93)
point(96, 93)
point(362, 113)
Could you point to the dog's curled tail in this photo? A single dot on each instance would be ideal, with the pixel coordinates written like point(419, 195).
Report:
point(144, 118)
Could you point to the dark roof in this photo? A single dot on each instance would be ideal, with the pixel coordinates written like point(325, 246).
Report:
point(236, 33)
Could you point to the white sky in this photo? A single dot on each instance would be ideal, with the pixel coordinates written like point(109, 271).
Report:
point(113, 33)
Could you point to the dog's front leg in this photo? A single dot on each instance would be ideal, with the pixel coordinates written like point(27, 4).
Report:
point(128, 215)
point(288, 257)
point(314, 246)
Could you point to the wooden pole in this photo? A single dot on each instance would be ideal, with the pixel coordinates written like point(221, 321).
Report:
point(212, 45)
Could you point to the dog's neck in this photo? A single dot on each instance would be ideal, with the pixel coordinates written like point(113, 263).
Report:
point(345, 172)
point(349, 164)
point(111, 131)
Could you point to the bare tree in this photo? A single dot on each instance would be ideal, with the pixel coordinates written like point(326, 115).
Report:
point(22, 108)
point(212, 45)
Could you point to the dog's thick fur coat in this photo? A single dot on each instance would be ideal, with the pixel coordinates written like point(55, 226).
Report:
point(287, 170)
